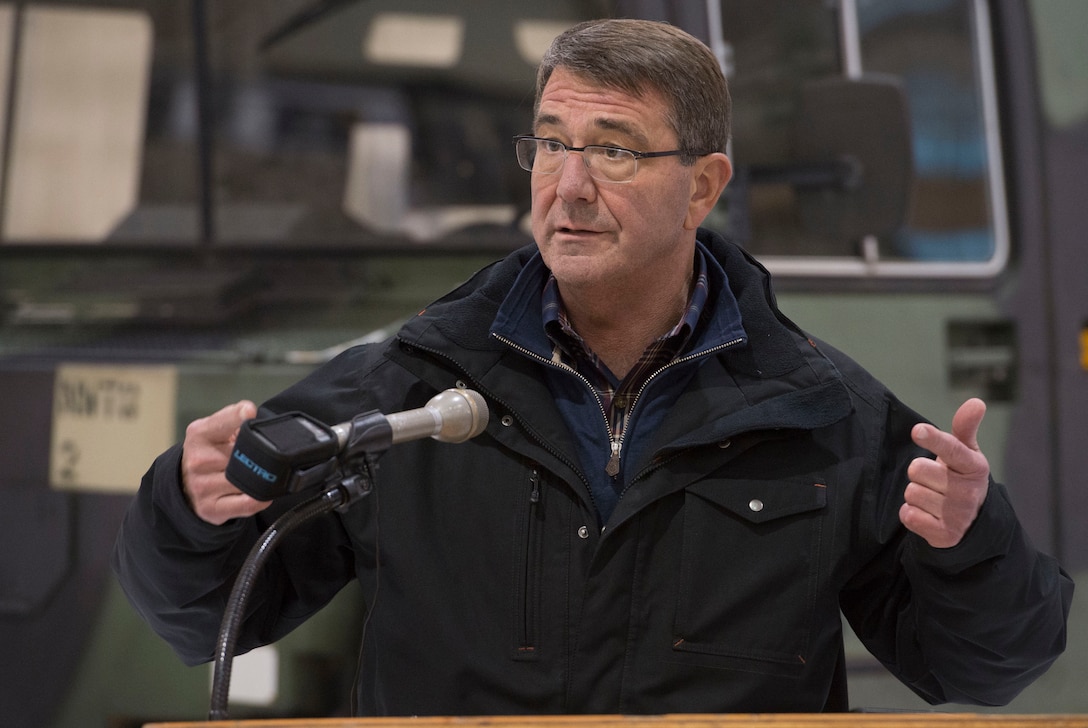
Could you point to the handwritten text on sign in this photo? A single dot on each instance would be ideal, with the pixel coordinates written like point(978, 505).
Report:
point(109, 423)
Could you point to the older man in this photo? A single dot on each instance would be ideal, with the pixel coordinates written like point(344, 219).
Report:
point(678, 490)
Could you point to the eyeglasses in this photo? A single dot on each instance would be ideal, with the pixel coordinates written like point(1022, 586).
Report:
point(607, 164)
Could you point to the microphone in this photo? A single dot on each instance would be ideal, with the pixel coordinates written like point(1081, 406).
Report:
point(287, 453)
point(455, 415)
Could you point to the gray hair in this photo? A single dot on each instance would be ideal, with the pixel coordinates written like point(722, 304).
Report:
point(636, 56)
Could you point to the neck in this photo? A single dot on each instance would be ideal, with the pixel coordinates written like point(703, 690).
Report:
point(619, 325)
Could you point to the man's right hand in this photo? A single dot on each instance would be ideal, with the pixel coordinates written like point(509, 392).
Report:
point(205, 454)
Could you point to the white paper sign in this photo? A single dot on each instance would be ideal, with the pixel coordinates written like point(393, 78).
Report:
point(109, 423)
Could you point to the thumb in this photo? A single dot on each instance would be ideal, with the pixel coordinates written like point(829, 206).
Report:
point(240, 412)
point(246, 410)
point(222, 426)
point(966, 421)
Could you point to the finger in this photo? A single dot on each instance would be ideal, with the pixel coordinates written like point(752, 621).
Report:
point(222, 426)
point(206, 448)
point(929, 473)
point(918, 520)
point(924, 497)
point(230, 506)
point(966, 421)
point(959, 451)
point(928, 526)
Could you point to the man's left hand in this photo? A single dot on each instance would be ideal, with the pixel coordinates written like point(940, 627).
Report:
point(944, 495)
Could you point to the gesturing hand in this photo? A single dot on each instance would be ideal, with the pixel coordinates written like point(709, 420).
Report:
point(944, 495)
point(205, 454)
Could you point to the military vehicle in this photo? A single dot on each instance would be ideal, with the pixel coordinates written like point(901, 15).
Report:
point(201, 201)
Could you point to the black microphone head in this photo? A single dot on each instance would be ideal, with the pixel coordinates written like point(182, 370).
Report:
point(271, 454)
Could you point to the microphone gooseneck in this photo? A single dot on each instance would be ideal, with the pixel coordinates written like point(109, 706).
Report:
point(290, 452)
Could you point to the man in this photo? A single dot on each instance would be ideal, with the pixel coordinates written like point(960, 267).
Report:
point(677, 492)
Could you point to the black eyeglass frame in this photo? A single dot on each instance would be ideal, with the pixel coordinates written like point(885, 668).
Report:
point(568, 149)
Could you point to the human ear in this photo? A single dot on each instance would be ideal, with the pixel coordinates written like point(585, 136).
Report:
point(710, 176)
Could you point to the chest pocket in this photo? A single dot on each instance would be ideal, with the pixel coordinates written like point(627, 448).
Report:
point(749, 573)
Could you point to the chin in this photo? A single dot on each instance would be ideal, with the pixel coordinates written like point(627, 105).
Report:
point(577, 270)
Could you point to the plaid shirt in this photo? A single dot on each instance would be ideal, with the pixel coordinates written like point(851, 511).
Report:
point(617, 396)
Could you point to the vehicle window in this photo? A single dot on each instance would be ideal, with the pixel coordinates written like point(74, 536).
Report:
point(289, 123)
point(361, 125)
point(74, 134)
point(933, 48)
point(937, 53)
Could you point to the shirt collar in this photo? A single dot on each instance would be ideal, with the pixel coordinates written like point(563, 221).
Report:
point(520, 318)
point(563, 334)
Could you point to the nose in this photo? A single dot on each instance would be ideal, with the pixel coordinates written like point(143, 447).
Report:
point(575, 184)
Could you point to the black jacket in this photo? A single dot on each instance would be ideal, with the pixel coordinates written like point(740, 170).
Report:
point(767, 501)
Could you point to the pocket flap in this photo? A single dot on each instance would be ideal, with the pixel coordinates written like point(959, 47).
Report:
point(759, 501)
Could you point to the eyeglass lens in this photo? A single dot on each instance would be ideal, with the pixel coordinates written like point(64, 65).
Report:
point(544, 156)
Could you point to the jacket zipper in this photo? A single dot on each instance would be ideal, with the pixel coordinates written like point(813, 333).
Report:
point(531, 570)
point(615, 446)
point(616, 443)
point(646, 383)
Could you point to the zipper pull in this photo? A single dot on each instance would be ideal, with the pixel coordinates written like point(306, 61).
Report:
point(613, 467)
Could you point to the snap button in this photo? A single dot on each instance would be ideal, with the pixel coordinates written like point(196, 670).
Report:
point(755, 505)
point(507, 420)
point(725, 443)
point(583, 532)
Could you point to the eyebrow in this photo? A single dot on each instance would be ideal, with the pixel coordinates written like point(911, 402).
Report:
point(604, 123)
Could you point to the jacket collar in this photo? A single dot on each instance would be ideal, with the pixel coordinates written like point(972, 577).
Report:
point(520, 319)
point(778, 358)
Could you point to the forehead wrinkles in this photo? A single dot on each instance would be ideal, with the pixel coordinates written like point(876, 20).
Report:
point(567, 110)
point(602, 123)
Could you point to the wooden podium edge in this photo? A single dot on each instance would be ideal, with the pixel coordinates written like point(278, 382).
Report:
point(777, 720)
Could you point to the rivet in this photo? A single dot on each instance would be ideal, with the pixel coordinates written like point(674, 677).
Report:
point(756, 505)
point(724, 444)
point(507, 420)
